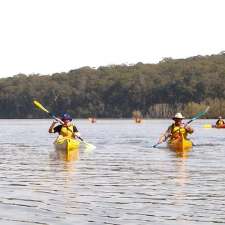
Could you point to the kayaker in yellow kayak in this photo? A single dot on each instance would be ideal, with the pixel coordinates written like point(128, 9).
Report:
point(66, 130)
point(220, 122)
point(177, 129)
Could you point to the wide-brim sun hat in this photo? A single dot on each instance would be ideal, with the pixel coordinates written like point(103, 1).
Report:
point(178, 116)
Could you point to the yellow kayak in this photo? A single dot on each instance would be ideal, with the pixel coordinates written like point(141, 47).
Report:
point(180, 144)
point(67, 146)
point(214, 126)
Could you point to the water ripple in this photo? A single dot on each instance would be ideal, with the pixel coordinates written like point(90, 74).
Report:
point(123, 181)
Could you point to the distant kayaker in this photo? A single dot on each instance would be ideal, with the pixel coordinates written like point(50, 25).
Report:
point(220, 122)
point(138, 120)
point(177, 129)
point(92, 119)
point(67, 129)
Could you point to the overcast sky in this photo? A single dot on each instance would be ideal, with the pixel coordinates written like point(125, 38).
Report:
point(48, 36)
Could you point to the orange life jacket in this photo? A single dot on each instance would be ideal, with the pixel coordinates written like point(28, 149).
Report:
point(177, 131)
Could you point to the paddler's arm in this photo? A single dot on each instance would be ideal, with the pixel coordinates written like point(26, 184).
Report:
point(165, 135)
point(76, 132)
point(51, 128)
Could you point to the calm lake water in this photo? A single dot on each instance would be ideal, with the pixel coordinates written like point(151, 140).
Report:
point(123, 181)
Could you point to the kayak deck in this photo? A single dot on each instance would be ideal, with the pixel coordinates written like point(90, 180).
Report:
point(214, 126)
point(180, 144)
point(67, 147)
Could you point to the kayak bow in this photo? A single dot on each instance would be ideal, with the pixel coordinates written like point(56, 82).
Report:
point(180, 144)
point(68, 148)
point(66, 144)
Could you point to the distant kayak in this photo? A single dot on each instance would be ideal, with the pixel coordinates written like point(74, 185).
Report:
point(213, 126)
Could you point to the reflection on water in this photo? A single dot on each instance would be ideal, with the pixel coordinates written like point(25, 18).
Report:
point(122, 181)
point(67, 156)
point(182, 178)
point(182, 175)
point(182, 154)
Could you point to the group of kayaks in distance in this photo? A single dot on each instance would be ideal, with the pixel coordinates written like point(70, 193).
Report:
point(176, 135)
point(220, 123)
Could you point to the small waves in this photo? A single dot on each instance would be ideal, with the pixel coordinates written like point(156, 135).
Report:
point(123, 181)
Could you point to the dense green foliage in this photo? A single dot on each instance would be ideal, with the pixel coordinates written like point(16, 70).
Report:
point(157, 90)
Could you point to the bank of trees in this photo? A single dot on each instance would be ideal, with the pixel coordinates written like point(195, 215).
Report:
point(156, 90)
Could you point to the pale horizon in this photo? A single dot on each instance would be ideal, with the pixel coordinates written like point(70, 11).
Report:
point(54, 36)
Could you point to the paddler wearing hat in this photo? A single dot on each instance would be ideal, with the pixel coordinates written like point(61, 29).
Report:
point(177, 129)
point(220, 122)
point(67, 129)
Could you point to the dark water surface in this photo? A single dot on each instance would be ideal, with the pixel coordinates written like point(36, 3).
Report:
point(123, 181)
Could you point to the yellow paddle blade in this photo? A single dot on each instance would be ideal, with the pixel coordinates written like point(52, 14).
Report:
point(89, 147)
point(207, 126)
point(40, 106)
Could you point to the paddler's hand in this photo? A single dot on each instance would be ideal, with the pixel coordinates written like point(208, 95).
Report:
point(189, 129)
point(51, 128)
point(77, 134)
point(164, 137)
point(55, 122)
point(161, 139)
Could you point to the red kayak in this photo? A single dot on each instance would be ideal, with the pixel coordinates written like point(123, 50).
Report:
point(220, 126)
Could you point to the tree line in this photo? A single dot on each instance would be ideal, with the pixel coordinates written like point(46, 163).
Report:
point(115, 91)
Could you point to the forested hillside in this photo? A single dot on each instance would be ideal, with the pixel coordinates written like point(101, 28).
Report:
point(157, 90)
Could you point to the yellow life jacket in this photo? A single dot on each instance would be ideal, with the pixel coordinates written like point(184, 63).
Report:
point(67, 131)
point(177, 131)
